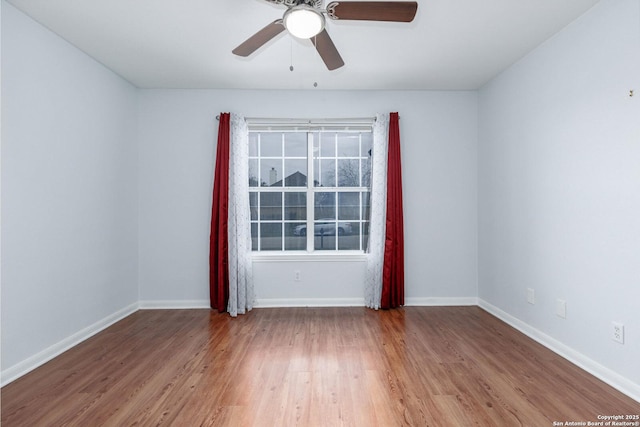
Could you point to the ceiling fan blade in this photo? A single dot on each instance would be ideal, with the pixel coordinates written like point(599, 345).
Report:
point(395, 11)
point(257, 40)
point(327, 50)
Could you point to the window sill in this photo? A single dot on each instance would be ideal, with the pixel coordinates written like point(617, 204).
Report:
point(343, 256)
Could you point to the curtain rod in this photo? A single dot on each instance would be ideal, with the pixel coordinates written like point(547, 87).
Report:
point(305, 121)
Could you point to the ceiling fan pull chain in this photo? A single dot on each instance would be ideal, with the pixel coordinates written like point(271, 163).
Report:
point(291, 52)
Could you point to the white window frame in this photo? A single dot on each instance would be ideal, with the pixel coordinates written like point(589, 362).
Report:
point(311, 127)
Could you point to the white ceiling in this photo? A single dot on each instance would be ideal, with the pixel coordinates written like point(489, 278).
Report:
point(451, 44)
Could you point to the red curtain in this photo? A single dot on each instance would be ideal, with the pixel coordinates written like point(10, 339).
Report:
point(219, 250)
point(393, 270)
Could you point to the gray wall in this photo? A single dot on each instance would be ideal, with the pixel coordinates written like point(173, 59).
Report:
point(177, 133)
point(69, 190)
point(559, 186)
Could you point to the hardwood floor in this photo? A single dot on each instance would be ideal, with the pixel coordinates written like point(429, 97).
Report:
point(417, 366)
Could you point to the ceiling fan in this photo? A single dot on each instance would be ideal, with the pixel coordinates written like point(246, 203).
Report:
point(305, 19)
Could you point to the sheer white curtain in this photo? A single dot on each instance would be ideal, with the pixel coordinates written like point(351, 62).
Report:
point(375, 255)
point(241, 295)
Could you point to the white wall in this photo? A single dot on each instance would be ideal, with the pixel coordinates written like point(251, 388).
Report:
point(177, 134)
point(69, 192)
point(559, 187)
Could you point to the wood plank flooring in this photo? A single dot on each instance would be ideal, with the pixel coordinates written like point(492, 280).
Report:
point(417, 366)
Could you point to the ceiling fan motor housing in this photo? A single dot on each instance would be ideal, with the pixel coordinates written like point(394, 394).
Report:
point(317, 4)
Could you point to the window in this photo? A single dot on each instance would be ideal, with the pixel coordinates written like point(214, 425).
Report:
point(290, 211)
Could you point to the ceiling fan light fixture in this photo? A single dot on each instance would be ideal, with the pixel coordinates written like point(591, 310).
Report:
point(304, 21)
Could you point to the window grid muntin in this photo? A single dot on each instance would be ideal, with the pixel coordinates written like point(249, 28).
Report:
point(361, 223)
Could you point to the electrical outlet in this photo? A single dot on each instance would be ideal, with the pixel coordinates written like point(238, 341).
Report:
point(561, 308)
point(531, 296)
point(296, 275)
point(617, 332)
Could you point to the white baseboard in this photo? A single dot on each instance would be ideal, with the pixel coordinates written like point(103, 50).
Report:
point(174, 304)
point(16, 371)
point(358, 302)
point(309, 302)
point(610, 377)
point(438, 301)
